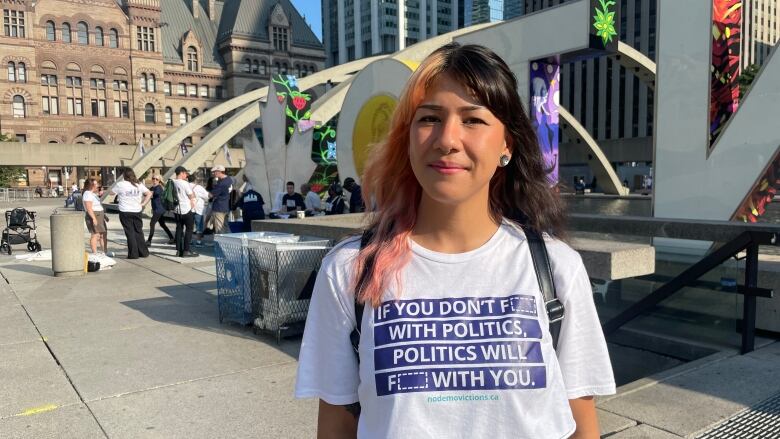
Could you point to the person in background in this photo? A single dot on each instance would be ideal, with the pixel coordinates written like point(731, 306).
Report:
point(74, 188)
point(133, 196)
point(355, 197)
point(292, 201)
point(335, 204)
point(184, 213)
point(201, 198)
point(94, 215)
point(311, 199)
point(39, 191)
point(220, 196)
point(251, 205)
point(158, 211)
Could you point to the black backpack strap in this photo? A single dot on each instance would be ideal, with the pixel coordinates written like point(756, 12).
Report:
point(354, 336)
point(541, 261)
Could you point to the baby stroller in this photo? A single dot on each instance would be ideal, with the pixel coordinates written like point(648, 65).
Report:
point(20, 229)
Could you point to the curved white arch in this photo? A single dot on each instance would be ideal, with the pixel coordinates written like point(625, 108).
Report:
point(600, 166)
point(643, 67)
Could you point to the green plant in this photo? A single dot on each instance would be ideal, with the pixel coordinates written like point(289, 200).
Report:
point(746, 78)
point(604, 21)
point(9, 174)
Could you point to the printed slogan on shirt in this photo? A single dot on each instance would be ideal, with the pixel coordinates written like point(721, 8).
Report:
point(469, 343)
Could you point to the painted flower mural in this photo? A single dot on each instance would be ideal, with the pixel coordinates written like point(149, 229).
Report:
point(298, 103)
point(604, 21)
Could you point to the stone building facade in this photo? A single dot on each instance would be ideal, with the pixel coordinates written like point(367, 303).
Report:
point(123, 71)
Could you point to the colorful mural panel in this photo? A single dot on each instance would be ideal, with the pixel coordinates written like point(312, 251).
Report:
point(762, 194)
point(604, 21)
point(545, 93)
point(724, 85)
point(298, 106)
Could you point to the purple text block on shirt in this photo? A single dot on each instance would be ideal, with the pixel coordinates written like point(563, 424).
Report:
point(470, 378)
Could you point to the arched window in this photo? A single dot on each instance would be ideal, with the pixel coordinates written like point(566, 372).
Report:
point(168, 116)
point(99, 36)
point(11, 71)
point(149, 113)
point(284, 69)
point(50, 35)
point(263, 68)
point(83, 33)
point(247, 65)
point(275, 70)
point(183, 116)
point(255, 67)
point(143, 82)
point(17, 108)
point(297, 70)
point(312, 70)
point(21, 72)
point(195, 113)
point(113, 39)
point(66, 32)
point(151, 83)
point(192, 59)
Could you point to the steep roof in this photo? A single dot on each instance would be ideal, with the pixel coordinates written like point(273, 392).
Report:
point(249, 18)
point(178, 19)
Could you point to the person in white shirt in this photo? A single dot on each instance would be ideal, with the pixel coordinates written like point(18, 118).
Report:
point(184, 213)
point(201, 200)
point(133, 196)
point(94, 215)
point(311, 199)
point(455, 340)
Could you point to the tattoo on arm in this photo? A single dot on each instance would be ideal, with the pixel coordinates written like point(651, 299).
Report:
point(353, 409)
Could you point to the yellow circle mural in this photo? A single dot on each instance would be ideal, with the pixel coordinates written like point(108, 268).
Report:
point(371, 127)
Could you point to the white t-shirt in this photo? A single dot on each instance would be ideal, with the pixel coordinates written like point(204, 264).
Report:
point(183, 191)
point(312, 201)
point(130, 195)
point(201, 197)
point(465, 351)
point(90, 196)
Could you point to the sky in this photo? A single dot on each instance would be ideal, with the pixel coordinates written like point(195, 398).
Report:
point(312, 11)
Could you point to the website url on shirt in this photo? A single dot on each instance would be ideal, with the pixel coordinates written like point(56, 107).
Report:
point(456, 398)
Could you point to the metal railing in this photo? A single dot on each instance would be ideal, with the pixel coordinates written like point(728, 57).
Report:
point(15, 194)
point(738, 238)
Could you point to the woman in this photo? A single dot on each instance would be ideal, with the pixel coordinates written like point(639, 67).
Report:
point(455, 338)
point(94, 215)
point(133, 197)
point(158, 211)
point(334, 204)
point(201, 199)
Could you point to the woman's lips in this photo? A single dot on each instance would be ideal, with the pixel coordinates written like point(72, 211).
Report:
point(447, 168)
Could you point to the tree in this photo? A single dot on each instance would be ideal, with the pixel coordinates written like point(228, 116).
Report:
point(9, 174)
point(746, 78)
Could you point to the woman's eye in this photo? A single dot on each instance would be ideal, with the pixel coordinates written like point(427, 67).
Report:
point(473, 121)
point(428, 119)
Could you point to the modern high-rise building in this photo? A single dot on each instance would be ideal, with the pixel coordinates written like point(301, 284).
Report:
point(473, 12)
point(355, 29)
point(760, 30)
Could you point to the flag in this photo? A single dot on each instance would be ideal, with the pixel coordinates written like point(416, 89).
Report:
point(227, 154)
point(141, 149)
point(184, 148)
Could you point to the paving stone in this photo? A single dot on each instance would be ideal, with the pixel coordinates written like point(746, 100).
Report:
point(69, 422)
point(610, 423)
point(16, 326)
point(214, 407)
point(30, 378)
point(644, 431)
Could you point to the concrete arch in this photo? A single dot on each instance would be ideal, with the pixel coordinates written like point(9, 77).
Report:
point(600, 166)
point(643, 67)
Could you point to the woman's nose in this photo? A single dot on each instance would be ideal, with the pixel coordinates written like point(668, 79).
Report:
point(449, 135)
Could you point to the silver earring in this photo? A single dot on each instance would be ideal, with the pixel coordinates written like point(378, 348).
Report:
point(504, 160)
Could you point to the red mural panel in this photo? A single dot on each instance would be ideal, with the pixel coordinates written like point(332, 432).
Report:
point(724, 99)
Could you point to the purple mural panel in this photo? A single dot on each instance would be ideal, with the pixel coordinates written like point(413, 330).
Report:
point(545, 91)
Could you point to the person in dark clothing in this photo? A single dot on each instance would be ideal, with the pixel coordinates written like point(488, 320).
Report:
point(220, 196)
point(335, 204)
point(292, 201)
point(355, 197)
point(251, 205)
point(158, 211)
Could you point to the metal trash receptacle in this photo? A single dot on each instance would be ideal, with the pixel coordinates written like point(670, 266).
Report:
point(283, 274)
point(235, 298)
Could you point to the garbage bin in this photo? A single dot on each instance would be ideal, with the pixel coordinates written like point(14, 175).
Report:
point(67, 244)
point(234, 285)
point(267, 277)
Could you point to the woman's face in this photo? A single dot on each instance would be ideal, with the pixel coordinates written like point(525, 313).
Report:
point(455, 143)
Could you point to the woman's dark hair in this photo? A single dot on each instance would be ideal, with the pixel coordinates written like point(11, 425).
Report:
point(129, 175)
point(520, 191)
point(88, 184)
point(336, 188)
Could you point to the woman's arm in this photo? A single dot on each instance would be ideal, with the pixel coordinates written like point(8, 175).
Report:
point(584, 411)
point(147, 197)
point(90, 212)
point(335, 422)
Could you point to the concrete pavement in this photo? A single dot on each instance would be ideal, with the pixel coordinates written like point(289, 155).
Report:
point(138, 351)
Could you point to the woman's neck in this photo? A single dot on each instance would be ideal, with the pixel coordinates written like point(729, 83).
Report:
point(449, 228)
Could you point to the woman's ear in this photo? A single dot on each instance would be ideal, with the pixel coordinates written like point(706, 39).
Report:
point(508, 147)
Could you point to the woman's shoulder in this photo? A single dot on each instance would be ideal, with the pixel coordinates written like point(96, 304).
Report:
point(340, 259)
point(563, 258)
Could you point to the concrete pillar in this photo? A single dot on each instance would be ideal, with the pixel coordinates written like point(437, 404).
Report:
point(376, 42)
point(434, 17)
point(67, 244)
point(423, 34)
point(341, 20)
point(357, 19)
point(401, 24)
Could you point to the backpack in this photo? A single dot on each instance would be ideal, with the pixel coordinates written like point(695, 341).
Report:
point(233, 200)
point(170, 197)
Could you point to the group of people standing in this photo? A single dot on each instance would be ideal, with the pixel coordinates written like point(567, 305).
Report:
point(133, 196)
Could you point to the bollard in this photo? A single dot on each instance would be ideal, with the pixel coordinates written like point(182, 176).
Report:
point(67, 244)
